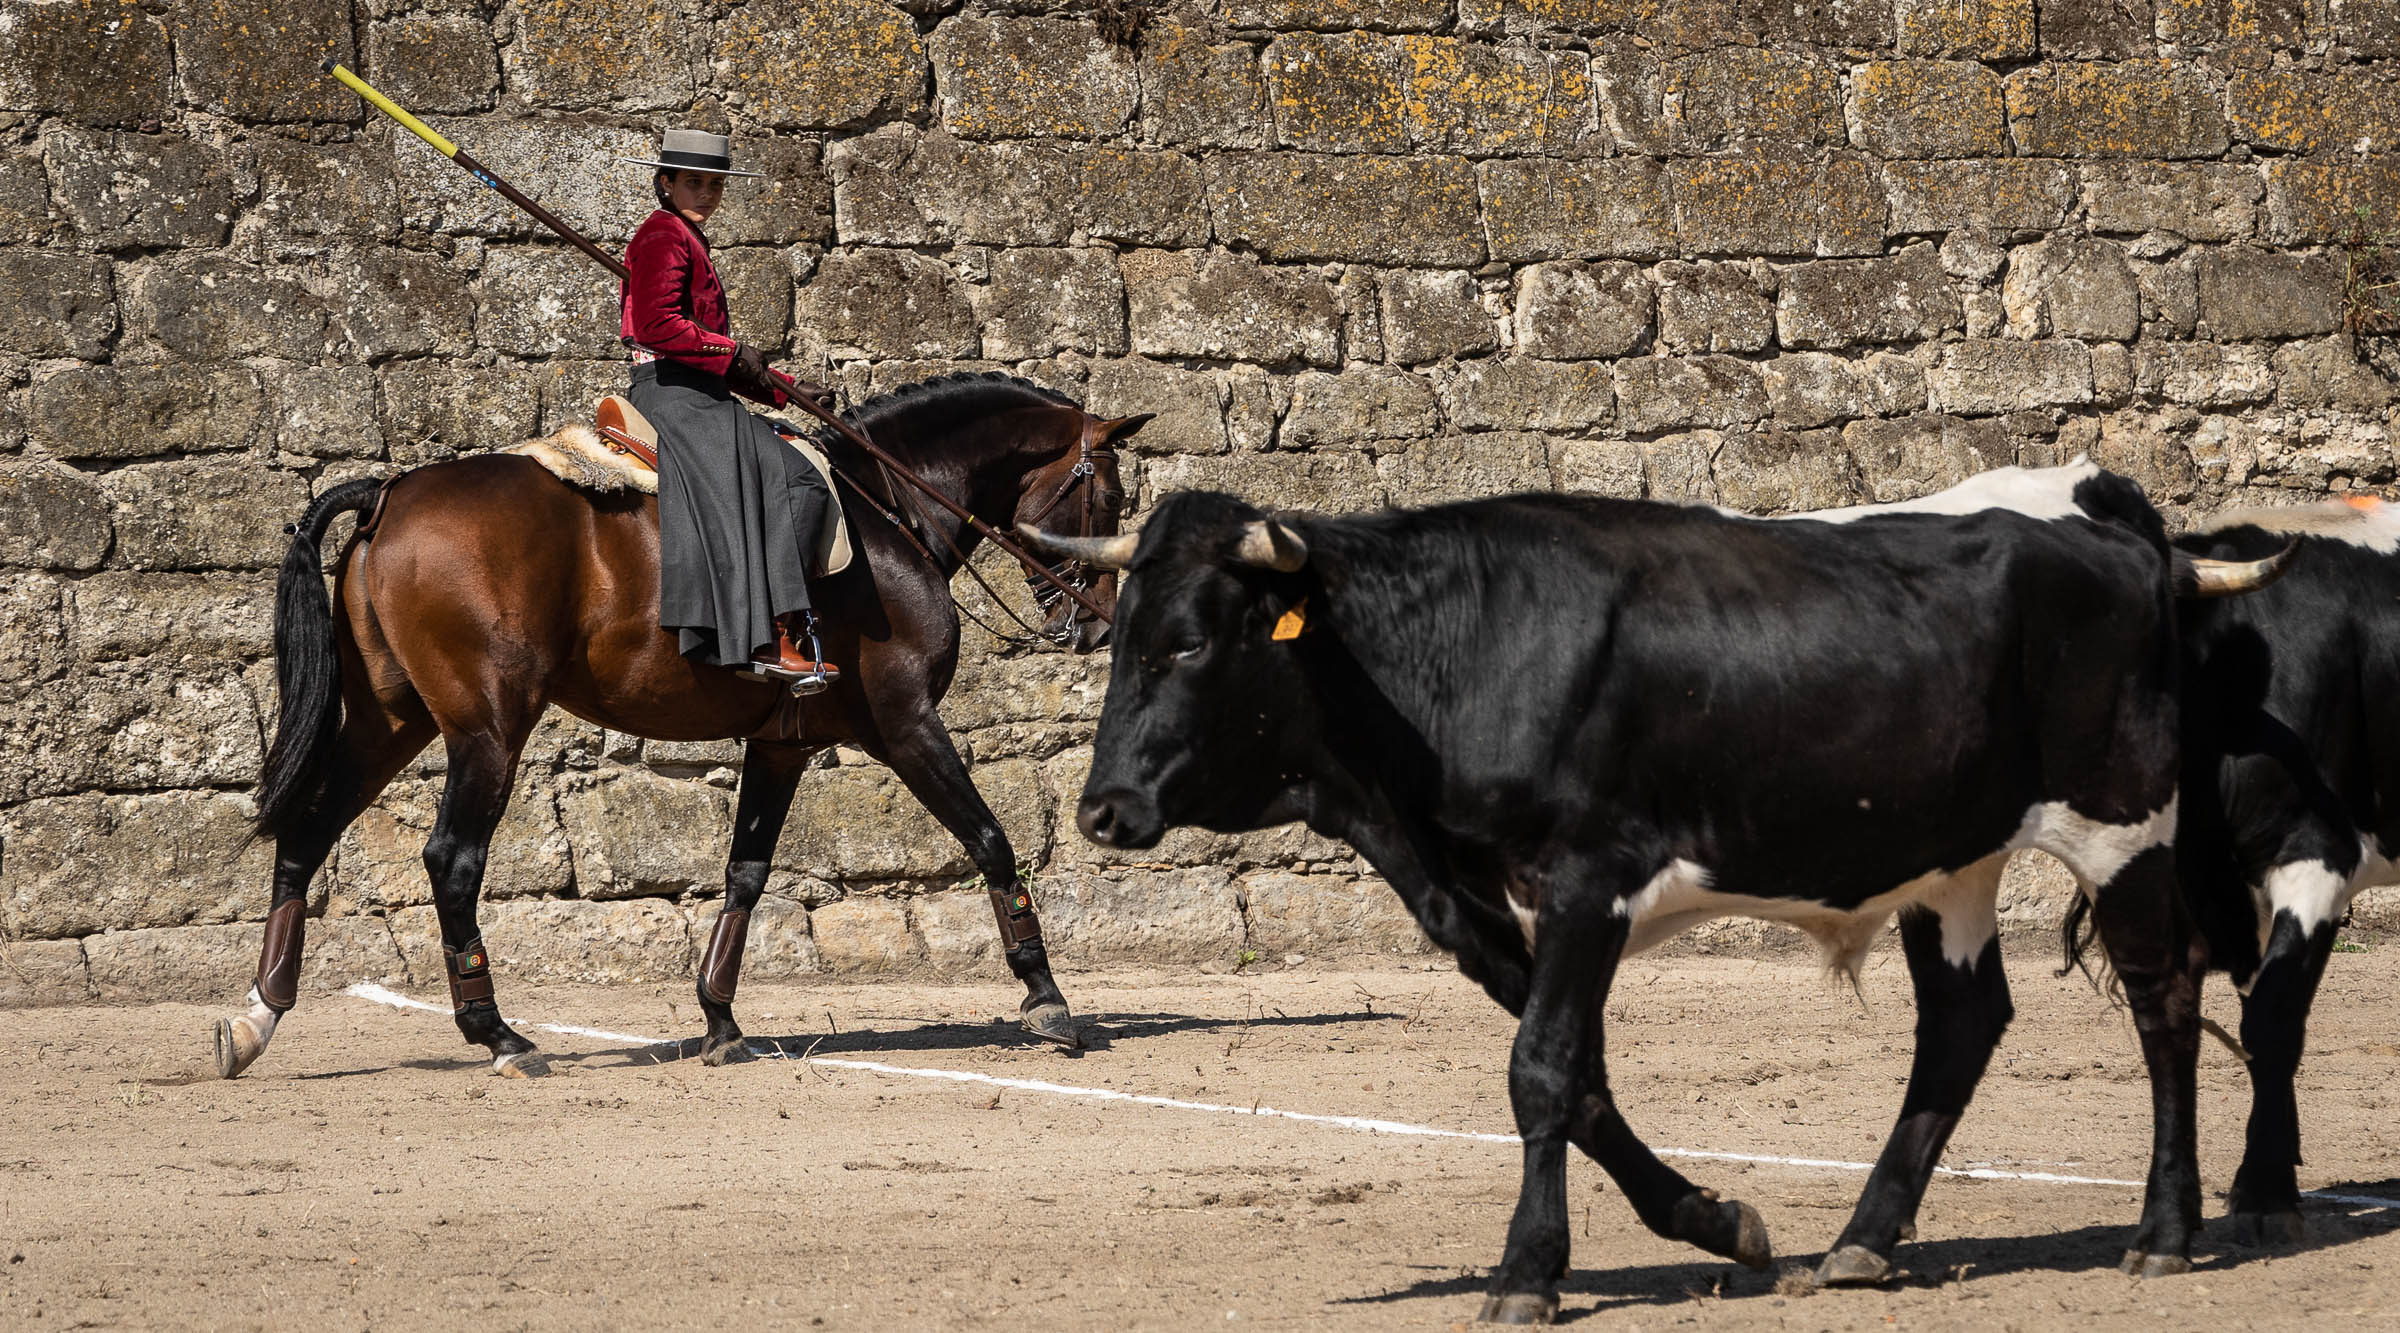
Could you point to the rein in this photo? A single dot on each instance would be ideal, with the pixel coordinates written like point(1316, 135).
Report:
point(1069, 578)
point(894, 467)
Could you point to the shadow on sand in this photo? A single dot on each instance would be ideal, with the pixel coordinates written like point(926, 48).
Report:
point(1099, 1032)
point(1922, 1264)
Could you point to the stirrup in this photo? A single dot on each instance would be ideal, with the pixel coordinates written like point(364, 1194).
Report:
point(815, 682)
point(783, 663)
point(820, 676)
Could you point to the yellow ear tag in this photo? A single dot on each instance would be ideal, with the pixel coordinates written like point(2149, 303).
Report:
point(1293, 621)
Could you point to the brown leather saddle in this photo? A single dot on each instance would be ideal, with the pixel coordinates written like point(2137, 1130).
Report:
point(623, 428)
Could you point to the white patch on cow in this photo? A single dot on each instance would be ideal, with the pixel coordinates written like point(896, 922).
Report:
point(2095, 850)
point(2375, 866)
point(2376, 527)
point(2312, 891)
point(1968, 904)
point(1524, 917)
point(1678, 898)
point(1519, 896)
point(2046, 493)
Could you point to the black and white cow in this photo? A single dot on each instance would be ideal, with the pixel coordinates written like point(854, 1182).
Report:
point(2291, 791)
point(1564, 728)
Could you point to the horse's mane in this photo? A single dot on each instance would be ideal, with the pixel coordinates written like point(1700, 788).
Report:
point(945, 398)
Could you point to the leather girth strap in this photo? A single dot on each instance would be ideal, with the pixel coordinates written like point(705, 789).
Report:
point(279, 958)
point(470, 975)
point(1014, 908)
point(721, 966)
point(782, 722)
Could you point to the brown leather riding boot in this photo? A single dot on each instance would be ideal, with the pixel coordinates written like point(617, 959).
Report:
point(804, 669)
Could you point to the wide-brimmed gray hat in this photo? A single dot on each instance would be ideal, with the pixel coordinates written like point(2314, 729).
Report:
point(694, 150)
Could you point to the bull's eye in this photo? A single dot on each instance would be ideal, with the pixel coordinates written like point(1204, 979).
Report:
point(1184, 650)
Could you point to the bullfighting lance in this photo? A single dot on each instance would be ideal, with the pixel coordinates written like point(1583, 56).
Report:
point(441, 144)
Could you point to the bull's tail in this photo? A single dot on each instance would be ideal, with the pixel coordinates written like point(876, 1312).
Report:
point(308, 665)
point(2075, 935)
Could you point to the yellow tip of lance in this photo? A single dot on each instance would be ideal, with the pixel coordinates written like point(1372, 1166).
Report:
point(391, 108)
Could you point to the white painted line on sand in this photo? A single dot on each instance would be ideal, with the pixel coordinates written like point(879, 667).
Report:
point(368, 990)
point(1172, 1103)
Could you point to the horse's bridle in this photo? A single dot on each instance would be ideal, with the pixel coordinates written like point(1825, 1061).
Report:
point(1084, 476)
point(1046, 595)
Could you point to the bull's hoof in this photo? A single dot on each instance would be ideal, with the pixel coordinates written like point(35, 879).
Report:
point(717, 1054)
point(1052, 1023)
point(1728, 1228)
point(1853, 1266)
point(1519, 1307)
point(2269, 1230)
point(524, 1064)
point(2139, 1264)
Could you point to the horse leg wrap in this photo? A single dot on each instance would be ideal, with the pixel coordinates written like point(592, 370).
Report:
point(279, 958)
point(1014, 908)
point(470, 976)
point(721, 966)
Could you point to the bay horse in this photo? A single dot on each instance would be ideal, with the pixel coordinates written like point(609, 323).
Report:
point(482, 590)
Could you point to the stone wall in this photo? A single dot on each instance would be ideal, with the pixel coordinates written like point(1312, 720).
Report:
point(1767, 253)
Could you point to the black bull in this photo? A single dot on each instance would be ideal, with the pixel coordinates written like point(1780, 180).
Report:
point(1563, 728)
point(2291, 792)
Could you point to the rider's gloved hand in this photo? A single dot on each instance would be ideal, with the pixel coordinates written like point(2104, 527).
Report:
point(749, 366)
point(749, 377)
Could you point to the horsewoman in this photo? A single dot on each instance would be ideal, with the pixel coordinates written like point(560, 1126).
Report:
point(739, 510)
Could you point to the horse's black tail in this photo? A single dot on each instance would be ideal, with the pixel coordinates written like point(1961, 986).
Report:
point(308, 665)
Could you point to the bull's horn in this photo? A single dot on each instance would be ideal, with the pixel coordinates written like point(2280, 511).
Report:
point(2195, 577)
point(1270, 545)
point(1102, 552)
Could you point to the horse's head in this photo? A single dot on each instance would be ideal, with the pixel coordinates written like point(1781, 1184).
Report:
point(1078, 495)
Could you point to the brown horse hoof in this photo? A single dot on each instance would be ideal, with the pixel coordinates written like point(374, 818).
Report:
point(2269, 1230)
point(231, 1059)
point(1853, 1266)
point(2138, 1264)
point(717, 1055)
point(524, 1064)
point(1052, 1023)
point(1519, 1307)
point(242, 1038)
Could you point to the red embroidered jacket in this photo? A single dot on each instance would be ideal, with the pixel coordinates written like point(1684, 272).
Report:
point(673, 304)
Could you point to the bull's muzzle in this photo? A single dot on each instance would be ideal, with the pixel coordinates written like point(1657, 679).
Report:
point(1119, 818)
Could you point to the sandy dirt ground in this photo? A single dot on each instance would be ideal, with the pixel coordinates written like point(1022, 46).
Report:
point(369, 1173)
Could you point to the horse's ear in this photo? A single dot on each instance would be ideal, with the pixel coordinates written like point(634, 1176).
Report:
point(1125, 427)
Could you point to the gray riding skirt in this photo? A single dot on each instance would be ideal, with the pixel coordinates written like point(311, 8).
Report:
point(738, 513)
